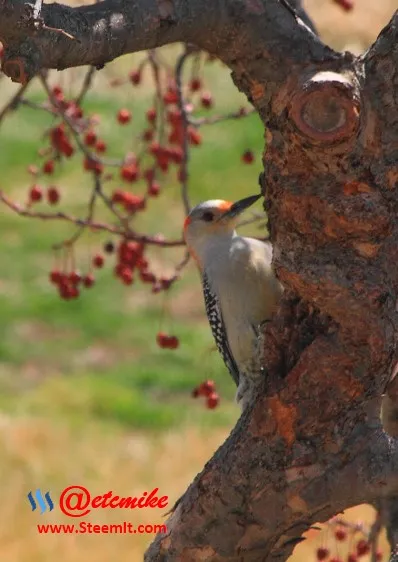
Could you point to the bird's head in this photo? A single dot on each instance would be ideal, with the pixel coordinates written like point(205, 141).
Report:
point(214, 218)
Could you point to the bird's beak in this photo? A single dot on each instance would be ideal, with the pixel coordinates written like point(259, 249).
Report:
point(238, 207)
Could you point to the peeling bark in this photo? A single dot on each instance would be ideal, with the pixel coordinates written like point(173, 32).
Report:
point(312, 444)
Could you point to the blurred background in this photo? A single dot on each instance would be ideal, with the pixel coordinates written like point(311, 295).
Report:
point(86, 395)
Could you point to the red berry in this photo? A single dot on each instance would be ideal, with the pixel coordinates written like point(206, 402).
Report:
point(322, 553)
point(170, 96)
point(154, 148)
point(177, 154)
point(147, 135)
point(161, 339)
point(167, 342)
point(88, 281)
point(142, 263)
point(66, 148)
point(173, 342)
point(90, 138)
point(195, 84)
point(135, 77)
point(206, 99)
point(147, 277)
point(151, 115)
point(98, 261)
point(347, 5)
point(59, 96)
point(129, 172)
point(75, 278)
point(77, 112)
point(118, 196)
point(127, 276)
point(93, 165)
point(206, 388)
point(65, 292)
point(123, 116)
point(340, 534)
point(133, 203)
point(53, 195)
point(212, 401)
point(165, 283)
point(352, 558)
point(57, 91)
point(248, 157)
point(149, 175)
point(48, 167)
point(35, 193)
point(174, 116)
point(55, 276)
point(154, 189)
point(363, 547)
point(194, 136)
point(74, 292)
point(100, 146)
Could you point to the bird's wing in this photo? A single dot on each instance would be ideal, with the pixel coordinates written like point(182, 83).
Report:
point(213, 311)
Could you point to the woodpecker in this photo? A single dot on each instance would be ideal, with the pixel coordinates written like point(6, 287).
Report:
point(240, 288)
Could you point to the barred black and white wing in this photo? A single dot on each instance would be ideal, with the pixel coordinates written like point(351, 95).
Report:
point(213, 311)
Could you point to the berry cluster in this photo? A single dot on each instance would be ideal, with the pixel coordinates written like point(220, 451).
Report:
point(162, 148)
point(131, 263)
point(208, 390)
point(357, 550)
point(69, 284)
point(125, 186)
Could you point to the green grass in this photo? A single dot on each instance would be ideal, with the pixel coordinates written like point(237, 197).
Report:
point(97, 356)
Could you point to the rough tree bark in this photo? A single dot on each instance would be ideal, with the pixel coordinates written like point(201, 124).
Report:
point(312, 444)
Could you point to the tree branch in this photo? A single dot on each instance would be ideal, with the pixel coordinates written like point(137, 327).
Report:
point(103, 31)
point(225, 514)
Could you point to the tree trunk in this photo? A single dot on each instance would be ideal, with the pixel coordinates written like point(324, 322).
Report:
point(312, 443)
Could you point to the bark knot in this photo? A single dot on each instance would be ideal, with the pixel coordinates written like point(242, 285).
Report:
point(326, 108)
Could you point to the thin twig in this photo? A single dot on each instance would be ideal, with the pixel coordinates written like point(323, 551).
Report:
point(241, 113)
point(374, 534)
point(57, 30)
point(39, 106)
point(184, 123)
point(14, 101)
point(183, 262)
point(88, 78)
point(158, 104)
point(153, 240)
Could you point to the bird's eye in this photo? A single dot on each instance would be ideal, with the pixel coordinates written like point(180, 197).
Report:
point(208, 216)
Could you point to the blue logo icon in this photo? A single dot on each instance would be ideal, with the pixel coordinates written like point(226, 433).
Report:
point(41, 500)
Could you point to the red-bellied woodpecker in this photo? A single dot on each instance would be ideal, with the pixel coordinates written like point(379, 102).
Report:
point(239, 286)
